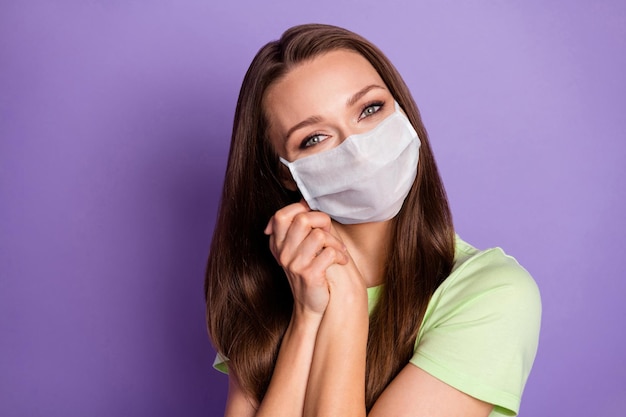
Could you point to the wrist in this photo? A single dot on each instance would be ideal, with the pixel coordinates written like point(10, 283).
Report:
point(305, 321)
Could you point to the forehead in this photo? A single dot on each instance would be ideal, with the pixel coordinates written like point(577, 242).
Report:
point(320, 81)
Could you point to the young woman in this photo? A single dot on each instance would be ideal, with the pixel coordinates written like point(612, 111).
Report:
point(336, 285)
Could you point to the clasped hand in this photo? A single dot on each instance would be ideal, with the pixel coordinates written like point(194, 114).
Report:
point(312, 254)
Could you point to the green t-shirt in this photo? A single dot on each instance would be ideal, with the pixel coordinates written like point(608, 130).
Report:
point(480, 330)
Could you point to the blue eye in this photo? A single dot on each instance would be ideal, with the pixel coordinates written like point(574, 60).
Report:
point(371, 109)
point(313, 140)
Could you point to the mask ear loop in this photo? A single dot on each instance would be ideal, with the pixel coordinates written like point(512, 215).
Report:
point(286, 177)
point(299, 185)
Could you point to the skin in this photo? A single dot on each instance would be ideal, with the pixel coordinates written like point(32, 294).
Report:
point(320, 369)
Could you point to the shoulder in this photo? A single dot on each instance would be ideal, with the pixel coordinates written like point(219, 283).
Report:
point(488, 280)
point(488, 291)
point(481, 327)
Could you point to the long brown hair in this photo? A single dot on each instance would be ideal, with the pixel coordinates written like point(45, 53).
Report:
point(249, 302)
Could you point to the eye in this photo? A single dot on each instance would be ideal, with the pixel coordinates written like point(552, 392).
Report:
point(371, 109)
point(313, 140)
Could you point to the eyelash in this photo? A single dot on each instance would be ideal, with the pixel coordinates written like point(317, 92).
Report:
point(306, 143)
point(379, 104)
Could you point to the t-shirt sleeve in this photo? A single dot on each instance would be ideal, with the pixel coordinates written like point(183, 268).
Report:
point(220, 363)
point(481, 329)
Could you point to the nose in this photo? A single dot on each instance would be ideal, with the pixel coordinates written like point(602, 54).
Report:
point(347, 129)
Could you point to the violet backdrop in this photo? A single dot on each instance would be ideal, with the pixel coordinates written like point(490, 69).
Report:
point(114, 129)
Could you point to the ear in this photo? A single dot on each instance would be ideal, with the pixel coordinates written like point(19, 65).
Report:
point(285, 178)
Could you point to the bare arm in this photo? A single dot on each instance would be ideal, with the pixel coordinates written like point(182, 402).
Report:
point(285, 394)
point(320, 370)
point(301, 242)
point(337, 377)
point(413, 393)
point(416, 393)
point(337, 380)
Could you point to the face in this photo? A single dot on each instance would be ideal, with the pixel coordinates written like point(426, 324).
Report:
point(321, 102)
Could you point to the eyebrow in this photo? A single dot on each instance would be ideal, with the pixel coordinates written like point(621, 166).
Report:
point(306, 122)
point(316, 119)
point(356, 97)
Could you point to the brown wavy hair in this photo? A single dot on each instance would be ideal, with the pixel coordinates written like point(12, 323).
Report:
point(249, 301)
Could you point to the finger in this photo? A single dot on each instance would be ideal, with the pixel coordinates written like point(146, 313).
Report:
point(315, 243)
point(300, 228)
point(314, 273)
point(296, 224)
point(310, 249)
point(283, 217)
point(327, 257)
point(286, 211)
point(278, 226)
point(302, 224)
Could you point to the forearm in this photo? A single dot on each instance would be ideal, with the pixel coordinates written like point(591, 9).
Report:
point(336, 385)
point(286, 392)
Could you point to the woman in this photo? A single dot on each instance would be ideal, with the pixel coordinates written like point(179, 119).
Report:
point(335, 283)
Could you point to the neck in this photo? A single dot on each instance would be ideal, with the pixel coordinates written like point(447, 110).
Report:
point(368, 245)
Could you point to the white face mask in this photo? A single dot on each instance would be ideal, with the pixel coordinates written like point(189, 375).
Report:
point(364, 179)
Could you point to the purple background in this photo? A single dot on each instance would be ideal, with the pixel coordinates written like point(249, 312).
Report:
point(114, 129)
